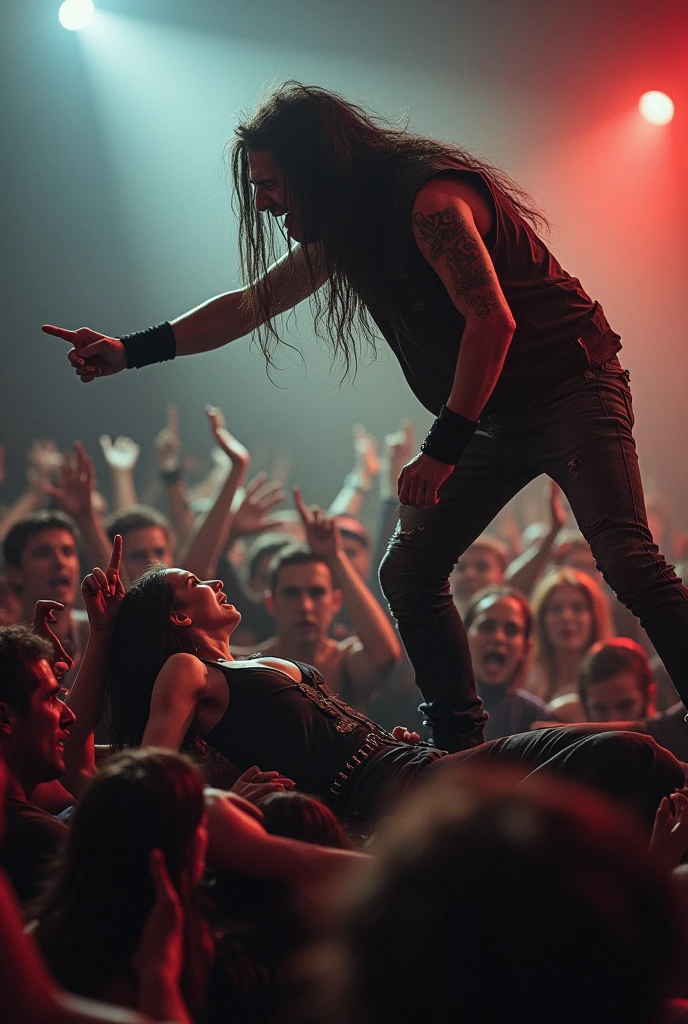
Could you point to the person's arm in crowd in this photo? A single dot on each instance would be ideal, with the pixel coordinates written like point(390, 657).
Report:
point(43, 461)
point(237, 842)
point(209, 326)
point(75, 494)
point(379, 649)
point(168, 449)
point(208, 540)
point(359, 481)
point(447, 235)
point(121, 455)
point(524, 572)
point(103, 593)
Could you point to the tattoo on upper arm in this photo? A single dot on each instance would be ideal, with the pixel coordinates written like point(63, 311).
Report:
point(446, 235)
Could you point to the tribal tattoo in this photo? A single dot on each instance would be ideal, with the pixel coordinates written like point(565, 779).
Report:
point(446, 234)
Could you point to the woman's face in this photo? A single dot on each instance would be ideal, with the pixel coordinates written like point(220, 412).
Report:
point(203, 602)
point(568, 619)
point(498, 643)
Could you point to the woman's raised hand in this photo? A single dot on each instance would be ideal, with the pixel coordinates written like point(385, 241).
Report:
point(103, 592)
point(93, 354)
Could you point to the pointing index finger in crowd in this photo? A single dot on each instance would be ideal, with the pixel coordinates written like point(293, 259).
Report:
point(303, 511)
point(116, 557)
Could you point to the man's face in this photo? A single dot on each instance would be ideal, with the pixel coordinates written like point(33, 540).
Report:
point(49, 568)
point(144, 546)
point(271, 193)
point(304, 602)
point(478, 567)
point(35, 747)
point(498, 643)
point(617, 699)
point(358, 554)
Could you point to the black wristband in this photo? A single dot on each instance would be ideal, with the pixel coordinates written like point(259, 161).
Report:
point(171, 476)
point(448, 436)
point(154, 345)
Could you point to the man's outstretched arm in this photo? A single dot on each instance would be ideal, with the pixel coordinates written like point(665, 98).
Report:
point(209, 326)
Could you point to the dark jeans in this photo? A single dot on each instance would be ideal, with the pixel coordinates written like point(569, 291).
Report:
point(579, 434)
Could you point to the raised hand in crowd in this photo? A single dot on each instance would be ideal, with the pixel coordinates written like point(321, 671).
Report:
point(75, 492)
point(399, 449)
point(168, 443)
point(168, 450)
point(103, 591)
point(159, 957)
point(360, 480)
point(209, 538)
point(322, 533)
point(43, 462)
point(260, 497)
point(43, 616)
point(121, 455)
point(93, 354)
point(669, 841)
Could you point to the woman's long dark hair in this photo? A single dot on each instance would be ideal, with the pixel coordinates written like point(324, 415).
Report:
point(91, 919)
point(336, 159)
point(143, 638)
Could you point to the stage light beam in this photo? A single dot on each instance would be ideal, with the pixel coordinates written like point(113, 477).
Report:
point(656, 107)
point(76, 14)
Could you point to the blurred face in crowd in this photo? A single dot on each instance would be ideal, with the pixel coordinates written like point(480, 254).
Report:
point(358, 554)
point(304, 603)
point(49, 568)
point(568, 619)
point(498, 642)
point(34, 740)
point(617, 699)
point(579, 556)
point(477, 567)
point(144, 546)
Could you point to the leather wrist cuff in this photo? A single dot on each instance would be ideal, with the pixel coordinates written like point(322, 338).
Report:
point(154, 345)
point(448, 437)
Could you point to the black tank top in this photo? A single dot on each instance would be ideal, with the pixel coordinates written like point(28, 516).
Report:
point(560, 331)
point(299, 729)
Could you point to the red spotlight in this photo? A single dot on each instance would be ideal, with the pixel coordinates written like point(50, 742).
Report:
point(656, 107)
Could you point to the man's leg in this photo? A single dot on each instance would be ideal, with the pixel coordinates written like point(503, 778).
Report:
point(415, 579)
point(597, 467)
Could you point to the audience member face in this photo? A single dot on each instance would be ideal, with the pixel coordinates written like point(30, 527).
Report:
point(202, 603)
point(144, 546)
point(49, 568)
point(260, 580)
point(358, 554)
point(568, 619)
point(35, 747)
point(617, 699)
point(580, 557)
point(477, 567)
point(497, 639)
point(304, 603)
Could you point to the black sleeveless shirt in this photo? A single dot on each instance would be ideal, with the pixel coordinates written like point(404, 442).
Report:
point(560, 331)
point(299, 729)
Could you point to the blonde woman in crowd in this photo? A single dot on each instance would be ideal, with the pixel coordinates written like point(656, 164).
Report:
point(571, 614)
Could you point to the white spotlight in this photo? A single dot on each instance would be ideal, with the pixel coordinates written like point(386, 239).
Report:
point(656, 107)
point(76, 14)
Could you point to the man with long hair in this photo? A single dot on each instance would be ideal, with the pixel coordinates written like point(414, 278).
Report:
point(439, 252)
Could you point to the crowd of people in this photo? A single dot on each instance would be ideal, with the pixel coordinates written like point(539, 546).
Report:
point(246, 777)
point(106, 826)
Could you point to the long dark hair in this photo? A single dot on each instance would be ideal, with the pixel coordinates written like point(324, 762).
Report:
point(91, 919)
point(336, 159)
point(143, 638)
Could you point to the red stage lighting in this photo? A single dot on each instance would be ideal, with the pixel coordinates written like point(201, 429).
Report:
point(656, 107)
